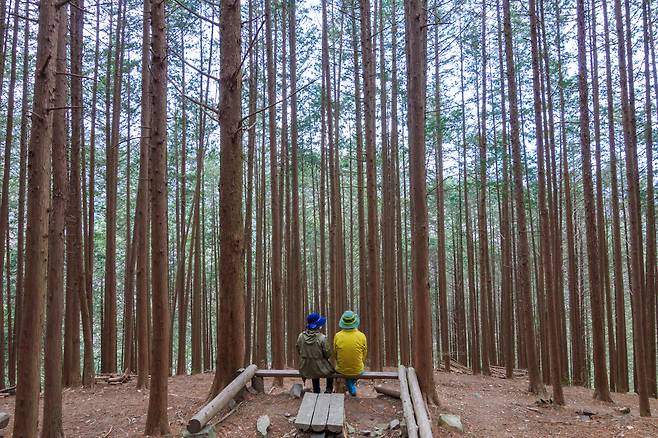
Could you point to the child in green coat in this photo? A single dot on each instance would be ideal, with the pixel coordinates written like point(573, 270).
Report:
point(314, 353)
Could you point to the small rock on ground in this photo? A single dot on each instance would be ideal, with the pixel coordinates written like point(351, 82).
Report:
point(296, 390)
point(451, 422)
point(395, 424)
point(263, 424)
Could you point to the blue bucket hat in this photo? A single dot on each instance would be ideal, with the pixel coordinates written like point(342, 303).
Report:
point(349, 320)
point(314, 321)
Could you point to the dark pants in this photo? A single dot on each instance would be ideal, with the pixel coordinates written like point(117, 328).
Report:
point(316, 385)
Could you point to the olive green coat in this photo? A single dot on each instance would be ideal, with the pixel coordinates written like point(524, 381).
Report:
point(314, 355)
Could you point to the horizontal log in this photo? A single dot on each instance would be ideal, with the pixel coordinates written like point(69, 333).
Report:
point(222, 400)
point(391, 392)
point(366, 375)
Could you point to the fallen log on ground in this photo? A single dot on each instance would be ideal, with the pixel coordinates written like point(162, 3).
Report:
point(122, 378)
point(391, 392)
point(10, 390)
point(215, 405)
point(4, 420)
point(407, 406)
point(424, 425)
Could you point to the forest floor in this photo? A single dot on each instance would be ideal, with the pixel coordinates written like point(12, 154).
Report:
point(488, 407)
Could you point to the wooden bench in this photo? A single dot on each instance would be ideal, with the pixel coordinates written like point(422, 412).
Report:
point(367, 375)
point(321, 413)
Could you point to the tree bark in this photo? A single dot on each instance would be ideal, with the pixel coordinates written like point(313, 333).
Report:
point(372, 308)
point(52, 396)
point(523, 281)
point(416, 25)
point(230, 331)
point(602, 391)
point(156, 420)
point(36, 250)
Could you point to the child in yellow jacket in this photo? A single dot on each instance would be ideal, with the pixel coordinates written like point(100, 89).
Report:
point(350, 349)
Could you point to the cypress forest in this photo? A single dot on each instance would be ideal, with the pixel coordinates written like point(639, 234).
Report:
point(191, 187)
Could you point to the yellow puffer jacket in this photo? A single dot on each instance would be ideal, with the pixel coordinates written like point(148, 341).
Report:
point(350, 348)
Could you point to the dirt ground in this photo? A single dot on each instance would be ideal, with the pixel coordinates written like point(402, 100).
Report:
point(488, 407)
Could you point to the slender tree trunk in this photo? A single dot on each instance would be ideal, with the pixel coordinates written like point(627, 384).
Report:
point(277, 332)
point(359, 167)
point(507, 311)
point(4, 204)
point(156, 420)
point(142, 209)
point(251, 306)
point(36, 250)
point(416, 25)
point(403, 308)
point(440, 215)
point(109, 352)
point(636, 273)
point(388, 214)
point(372, 308)
point(76, 287)
point(544, 220)
point(601, 391)
point(230, 332)
point(600, 218)
point(52, 397)
point(486, 335)
point(621, 377)
point(21, 204)
point(650, 282)
point(294, 265)
point(523, 281)
point(474, 340)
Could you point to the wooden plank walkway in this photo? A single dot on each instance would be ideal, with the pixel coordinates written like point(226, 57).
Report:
point(305, 413)
point(336, 416)
point(321, 413)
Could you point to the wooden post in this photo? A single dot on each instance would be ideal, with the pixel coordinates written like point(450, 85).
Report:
point(424, 425)
point(211, 409)
point(257, 384)
point(412, 427)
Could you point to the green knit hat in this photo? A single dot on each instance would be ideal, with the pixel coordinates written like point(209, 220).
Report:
point(349, 320)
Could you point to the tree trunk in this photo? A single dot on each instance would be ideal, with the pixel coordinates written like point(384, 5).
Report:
point(486, 335)
point(416, 25)
point(277, 331)
point(230, 332)
point(294, 265)
point(650, 282)
point(20, 259)
point(440, 216)
point(142, 209)
point(601, 391)
point(76, 287)
point(636, 273)
point(507, 311)
point(156, 420)
point(27, 387)
point(372, 308)
point(109, 352)
point(544, 220)
point(4, 204)
point(52, 396)
point(523, 281)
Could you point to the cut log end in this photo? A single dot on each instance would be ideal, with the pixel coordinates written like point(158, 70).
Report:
point(194, 426)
